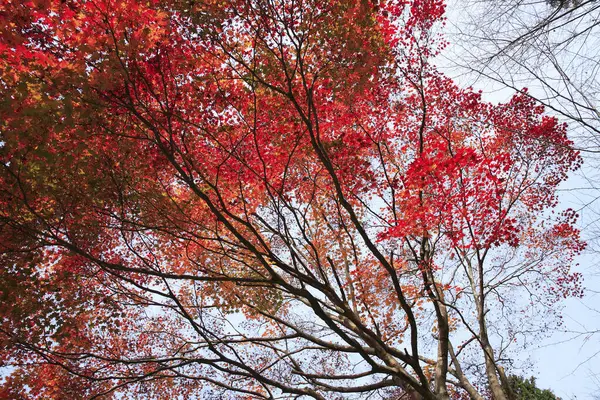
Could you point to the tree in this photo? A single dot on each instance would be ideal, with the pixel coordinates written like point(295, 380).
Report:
point(266, 199)
point(526, 389)
point(550, 46)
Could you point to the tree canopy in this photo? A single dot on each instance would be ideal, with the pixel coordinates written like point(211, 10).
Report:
point(267, 199)
point(526, 389)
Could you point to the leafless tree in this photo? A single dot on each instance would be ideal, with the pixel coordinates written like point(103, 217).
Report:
point(550, 47)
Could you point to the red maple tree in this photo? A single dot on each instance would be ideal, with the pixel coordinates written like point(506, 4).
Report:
point(266, 199)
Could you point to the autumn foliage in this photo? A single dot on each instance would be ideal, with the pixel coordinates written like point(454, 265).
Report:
point(266, 199)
